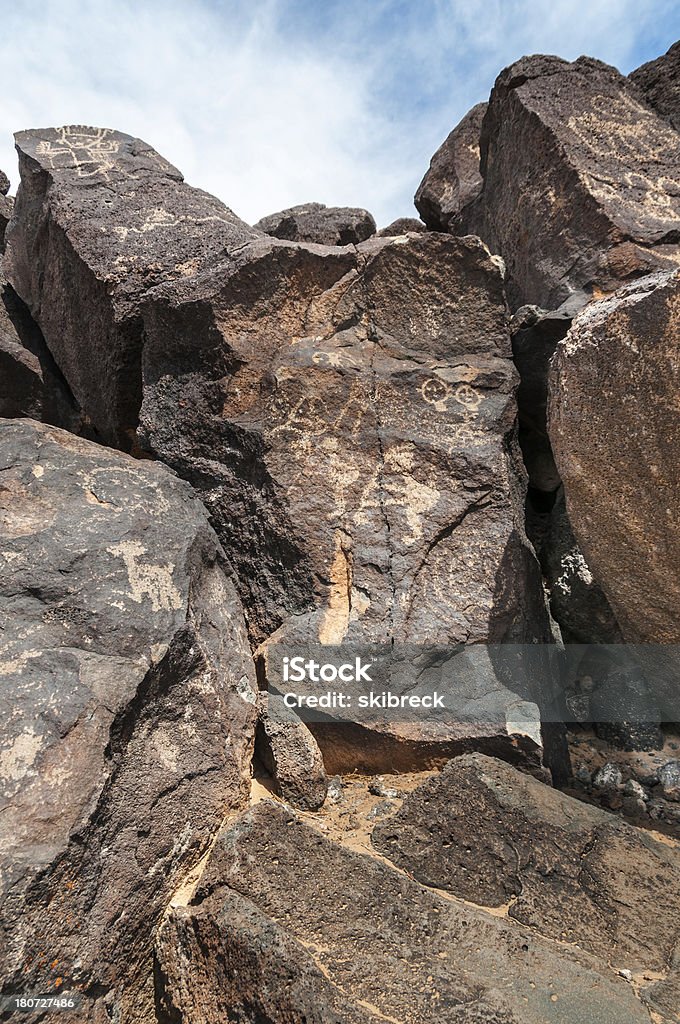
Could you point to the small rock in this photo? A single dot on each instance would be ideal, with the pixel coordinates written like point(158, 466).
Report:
point(378, 788)
point(633, 788)
point(669, 777)
point(335, 794)
point(608, 777)
point(584, 776)
point(381, 809)
point(625, 973)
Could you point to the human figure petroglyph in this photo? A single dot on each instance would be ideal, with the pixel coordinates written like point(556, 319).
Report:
point(91, 150)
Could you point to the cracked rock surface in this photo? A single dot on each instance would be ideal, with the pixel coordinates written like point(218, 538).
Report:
point(127, 710)
point(352, 940)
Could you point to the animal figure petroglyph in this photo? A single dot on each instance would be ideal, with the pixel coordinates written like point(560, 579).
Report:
point(631, 172)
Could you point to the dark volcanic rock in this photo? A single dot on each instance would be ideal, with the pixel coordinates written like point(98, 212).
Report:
point(615, 432)
point(577, 602)
point(353, 446)
point(569, 871)
point(454, 178)
point(100, 218)
point(581, 181)
point(6, 207)
point(127, 711)
point(289, 752)
point(322, 225)
point(286, 925)
point(347, 416)
point(659, 80)
point(624, 711)
point(402, 226)
point(30, 382)
point(4, 183)
point(534, 340)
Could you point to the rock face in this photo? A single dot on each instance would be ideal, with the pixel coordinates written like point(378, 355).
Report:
point(322, 225)
point(346, 413)
point(101, 218)
point(576, 599)
point(127, 711)
point(581, 181)
point(30, 381)
point(659, 80)
point(566, 870)
point(617, 372)
point(358, 508)
point(363, 943)
point(454, 178)
point(355, 450)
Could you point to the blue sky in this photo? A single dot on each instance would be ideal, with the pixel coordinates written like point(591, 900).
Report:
point(268, 103)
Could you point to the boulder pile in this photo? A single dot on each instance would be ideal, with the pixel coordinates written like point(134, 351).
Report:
point(457, 437)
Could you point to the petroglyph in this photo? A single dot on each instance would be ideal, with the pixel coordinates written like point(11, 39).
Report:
point(635, 172)
point(158, 218)
point(439, 393)
point(89, 150)
point(152, 581)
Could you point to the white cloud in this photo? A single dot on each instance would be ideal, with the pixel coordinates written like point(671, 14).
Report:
point(256, 109)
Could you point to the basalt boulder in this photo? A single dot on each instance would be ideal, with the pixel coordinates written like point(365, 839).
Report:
point(128, 712)
point(454, 178)
point(30, 381)
point(566, 870)
point(402, 226)
point(581, 183)
point(322, 225)
point(287, 925)
point(615, 432)
point(100, 218)
point(659, 80)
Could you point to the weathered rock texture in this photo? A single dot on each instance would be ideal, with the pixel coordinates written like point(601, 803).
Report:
point(576, 599)
point(454, 178)
point(615, 432)
point(289, 752)
point(354, 448)
point(30, 382)
point(127, 711)
point(323, 225)
point(581, 181)
point(490, 834)
point(659, 80)
point(100, 218)
point(347, 414)
point(349, 940)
